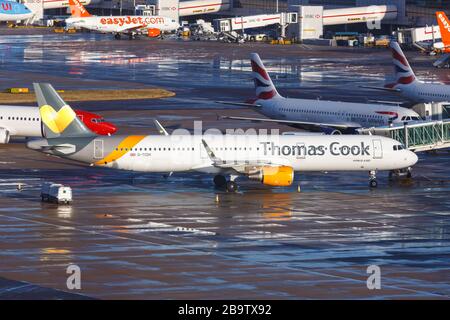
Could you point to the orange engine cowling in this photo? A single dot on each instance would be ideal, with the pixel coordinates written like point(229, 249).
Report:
point(282, 176)
point(153, 33)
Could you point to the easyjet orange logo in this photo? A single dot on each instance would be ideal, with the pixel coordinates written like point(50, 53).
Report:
point(132, 20)
point(444, 22)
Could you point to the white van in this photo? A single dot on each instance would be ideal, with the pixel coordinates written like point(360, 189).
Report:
point(57, 193)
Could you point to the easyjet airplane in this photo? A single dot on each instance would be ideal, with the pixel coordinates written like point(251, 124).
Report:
point(269, 159)
point(317, 115)
point(21, 121)
point(444, 26)
point(129, 25)
point(407, 84)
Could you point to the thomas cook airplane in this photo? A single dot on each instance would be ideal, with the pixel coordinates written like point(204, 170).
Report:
point(327, 116)
point(269, 159)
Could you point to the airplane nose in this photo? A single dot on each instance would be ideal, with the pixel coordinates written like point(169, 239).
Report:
point(412, 158)
point(110, 127)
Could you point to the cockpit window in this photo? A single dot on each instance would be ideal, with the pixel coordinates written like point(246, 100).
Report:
point(399, 147)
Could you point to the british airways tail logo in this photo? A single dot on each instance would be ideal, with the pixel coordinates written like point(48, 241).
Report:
point(403, 71)
point(263, 85)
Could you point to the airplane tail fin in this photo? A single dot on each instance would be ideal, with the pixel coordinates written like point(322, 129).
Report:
point(444, 26)
point(77, 9)
point(264, 87)
point(58, 118)
point(404, 74)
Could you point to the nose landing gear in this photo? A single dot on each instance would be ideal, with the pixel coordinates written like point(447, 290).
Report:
point(373, 183)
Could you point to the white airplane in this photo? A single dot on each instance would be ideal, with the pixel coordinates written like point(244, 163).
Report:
point(130, 25)
point(407, 84)
point(326, 116)
point(269, 159)
point(23, 121)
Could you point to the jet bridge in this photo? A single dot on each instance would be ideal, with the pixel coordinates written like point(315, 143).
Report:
point(417, 137)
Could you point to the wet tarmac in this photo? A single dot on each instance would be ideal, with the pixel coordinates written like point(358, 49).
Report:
point(143, 236)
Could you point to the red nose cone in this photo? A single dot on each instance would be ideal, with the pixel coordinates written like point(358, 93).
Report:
point(110, 128)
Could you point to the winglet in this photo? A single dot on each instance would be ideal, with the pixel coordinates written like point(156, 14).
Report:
point(162, 131)
point(210, 153)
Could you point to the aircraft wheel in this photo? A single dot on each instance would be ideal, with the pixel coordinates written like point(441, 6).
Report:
point(409, 173)
point(373, 183)
point(232, 186)
point(220, 180)
point(117, 36)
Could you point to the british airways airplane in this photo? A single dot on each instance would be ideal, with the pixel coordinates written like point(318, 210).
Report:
point(330, 117)
point(14, 11)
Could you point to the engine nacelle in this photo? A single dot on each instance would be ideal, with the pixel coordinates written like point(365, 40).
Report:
point(153, 33)
point(329, 130)
point(4, 135)
point(282, 176)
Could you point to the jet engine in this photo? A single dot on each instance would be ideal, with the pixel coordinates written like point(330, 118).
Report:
point(4, 135)
point(282, 176)
point(329, 130)
point(153, 33)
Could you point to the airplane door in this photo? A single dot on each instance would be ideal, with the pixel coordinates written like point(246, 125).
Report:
point(98, 149)
point(377, 149)
point(301, 150)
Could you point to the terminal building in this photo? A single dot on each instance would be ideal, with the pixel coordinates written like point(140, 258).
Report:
point(411, 13)
point(321, 16)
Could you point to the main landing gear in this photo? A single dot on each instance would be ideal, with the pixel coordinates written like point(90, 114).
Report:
point(117, 36)
point(220, 182)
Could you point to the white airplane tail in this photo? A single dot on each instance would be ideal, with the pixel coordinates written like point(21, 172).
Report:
point(265, 90)
point(404, 75)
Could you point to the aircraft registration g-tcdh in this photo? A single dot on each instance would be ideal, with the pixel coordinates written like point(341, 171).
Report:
point(22, 121)
point(270, 159)
point(326, 116)
point(118, 25)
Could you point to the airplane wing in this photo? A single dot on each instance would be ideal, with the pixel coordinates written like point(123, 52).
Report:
point(130, 29)
point(394, 103)
point(292, 122)
point(240, 104)
point(244, 166)
point(381, 88)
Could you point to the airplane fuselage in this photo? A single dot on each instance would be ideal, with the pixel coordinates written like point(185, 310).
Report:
point(117, 24)
point(187, 153)
point(353, 115)
point(425, 92)
point(23, 121)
